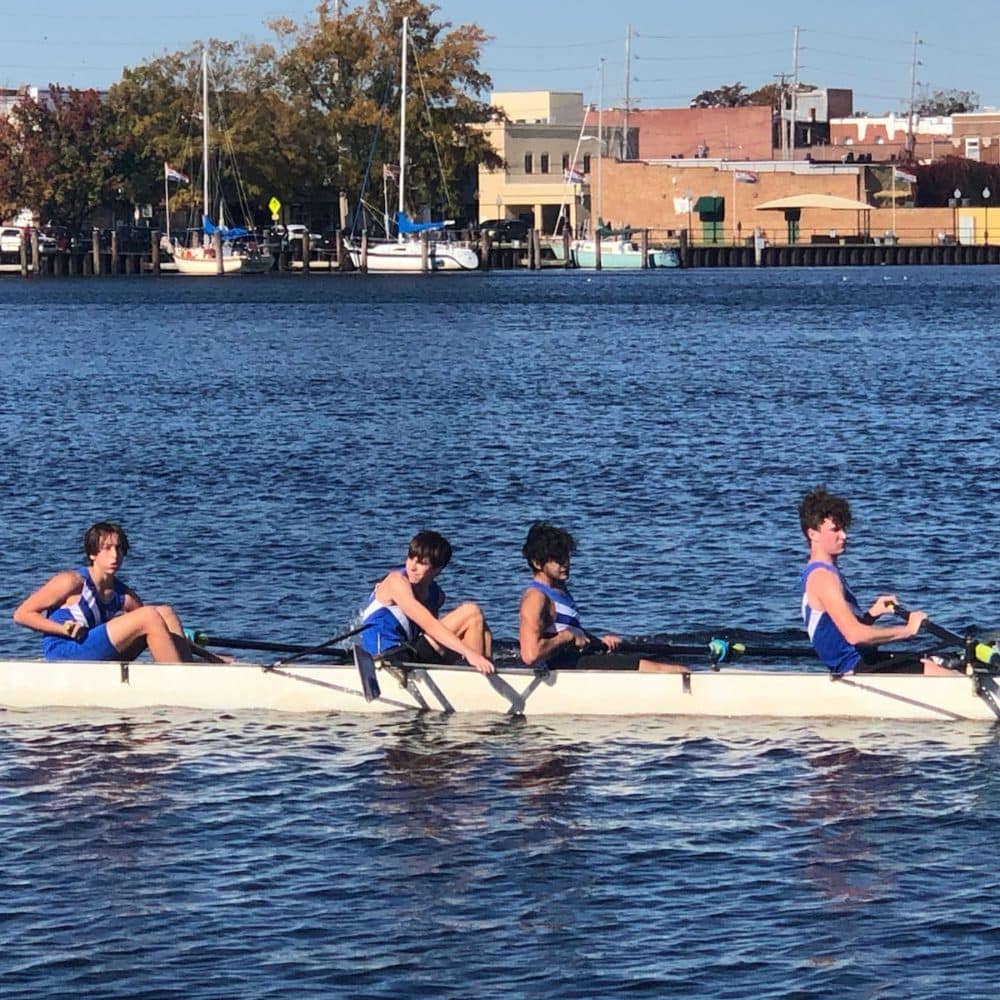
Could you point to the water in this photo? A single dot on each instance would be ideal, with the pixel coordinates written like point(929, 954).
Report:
point(271, 445)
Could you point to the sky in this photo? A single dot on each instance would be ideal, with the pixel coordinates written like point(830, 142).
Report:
point(580, 45)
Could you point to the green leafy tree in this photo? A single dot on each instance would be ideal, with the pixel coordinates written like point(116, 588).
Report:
point(157, 108)
point(337, 80)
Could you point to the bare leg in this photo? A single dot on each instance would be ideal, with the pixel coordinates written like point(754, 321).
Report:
point(145, 625)
point(468, 623)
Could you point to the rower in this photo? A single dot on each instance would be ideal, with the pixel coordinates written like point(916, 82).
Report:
point(833, 618)
point(89, 614)
point(404, 607)
point(550, 633)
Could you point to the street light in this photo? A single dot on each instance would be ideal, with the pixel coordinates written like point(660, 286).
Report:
point(986, 227)
point(954, 214)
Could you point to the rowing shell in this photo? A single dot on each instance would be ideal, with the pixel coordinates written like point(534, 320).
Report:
point(340, 688)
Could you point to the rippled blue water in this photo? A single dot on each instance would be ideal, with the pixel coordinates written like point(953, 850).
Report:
point(271, 445)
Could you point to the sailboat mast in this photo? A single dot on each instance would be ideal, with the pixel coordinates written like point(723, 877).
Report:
point(402, 119)
point(204, 131)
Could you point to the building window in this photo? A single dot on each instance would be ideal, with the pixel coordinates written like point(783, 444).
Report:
point(972, 147)
point(543, 163)
point(586, 163)
point(565, 161)
point(528, 163)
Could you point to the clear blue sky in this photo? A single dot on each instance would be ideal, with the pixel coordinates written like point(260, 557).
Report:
point(678, 49)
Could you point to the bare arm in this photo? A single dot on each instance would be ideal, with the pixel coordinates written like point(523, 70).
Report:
point(397, 588)
point(826, 594)
point(534, 618)
point(32, 612)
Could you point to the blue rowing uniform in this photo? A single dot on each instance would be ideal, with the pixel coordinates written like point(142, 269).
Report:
point(93, 614)
point(567, 619)
point(832, 648)
point(388, 624)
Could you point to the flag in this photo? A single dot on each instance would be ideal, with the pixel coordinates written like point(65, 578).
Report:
point(175, 175)
point(573, 176)
point(746, 177)
point(902, 175)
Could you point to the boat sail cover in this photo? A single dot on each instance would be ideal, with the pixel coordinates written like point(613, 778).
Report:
point(407, 225)
point(211, 229)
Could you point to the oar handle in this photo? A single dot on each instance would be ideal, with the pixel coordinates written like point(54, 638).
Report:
point(932, 628)
point(975, 651)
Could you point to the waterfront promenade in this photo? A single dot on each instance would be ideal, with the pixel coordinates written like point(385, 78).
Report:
point(535, 254)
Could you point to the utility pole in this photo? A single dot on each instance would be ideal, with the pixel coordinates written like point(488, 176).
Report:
point(910, 140)
point(782, 131)
point(628, 76)
point(600, 144)
point(794, 99)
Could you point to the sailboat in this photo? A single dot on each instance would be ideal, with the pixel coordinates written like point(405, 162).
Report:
point(203, 260)
point(406, 252)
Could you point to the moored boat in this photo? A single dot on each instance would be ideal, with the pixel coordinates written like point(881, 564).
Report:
point(238, 250)
point(414, 250)
point(621, 254)
point(339, 687)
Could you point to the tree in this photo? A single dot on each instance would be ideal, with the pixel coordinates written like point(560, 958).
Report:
point(938, 181)
point(732, 95)
point(58, 155)
point(338, 82)
point(943, 103)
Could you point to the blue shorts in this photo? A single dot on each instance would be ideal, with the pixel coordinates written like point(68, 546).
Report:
point(95, 646)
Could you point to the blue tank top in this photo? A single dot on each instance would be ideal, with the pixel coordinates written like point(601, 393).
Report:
point(567, 619)
point(828, 641)
point(89, 611)
point(389, 625)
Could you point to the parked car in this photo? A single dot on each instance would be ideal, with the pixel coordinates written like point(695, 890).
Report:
point(60, 234)
point(505, 230)
point(10, 239)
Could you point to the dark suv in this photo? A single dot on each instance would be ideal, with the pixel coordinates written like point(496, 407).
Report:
point(505, 230)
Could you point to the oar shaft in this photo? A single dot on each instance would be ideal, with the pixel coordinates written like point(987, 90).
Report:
point(262, 646)
point(255, 644)
point(704, 649)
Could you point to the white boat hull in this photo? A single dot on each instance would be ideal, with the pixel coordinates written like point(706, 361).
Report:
point(196, 262)
point(407, 257)
point(337, 688)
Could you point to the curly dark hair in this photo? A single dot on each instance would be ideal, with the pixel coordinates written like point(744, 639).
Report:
point(818, 505)
point(544, 542)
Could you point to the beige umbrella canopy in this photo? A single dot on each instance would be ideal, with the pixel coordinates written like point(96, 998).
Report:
point(814, 201)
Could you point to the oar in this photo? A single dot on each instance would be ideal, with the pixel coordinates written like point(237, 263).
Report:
point(721, 650)
point(982, 652)
point(204, 639)
point(296, 650)
point(323, 646)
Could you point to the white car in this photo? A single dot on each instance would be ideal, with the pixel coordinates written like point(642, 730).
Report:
point(10, 240)
point(295, 231)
